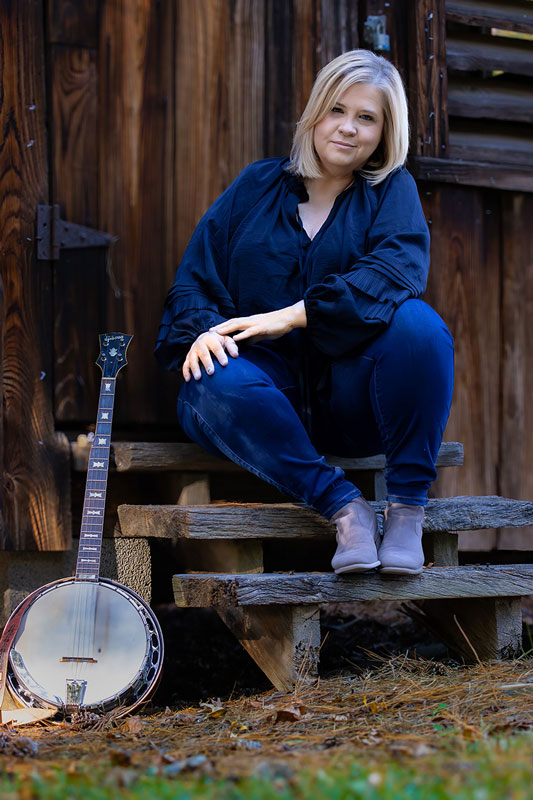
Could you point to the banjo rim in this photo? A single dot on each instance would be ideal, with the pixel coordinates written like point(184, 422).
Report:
point(146, 693)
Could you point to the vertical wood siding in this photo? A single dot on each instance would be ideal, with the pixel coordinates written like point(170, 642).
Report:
point(157, 106)
point(35, 479)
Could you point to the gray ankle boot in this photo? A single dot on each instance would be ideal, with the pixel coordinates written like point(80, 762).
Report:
point(357, 537)
point(401, 549)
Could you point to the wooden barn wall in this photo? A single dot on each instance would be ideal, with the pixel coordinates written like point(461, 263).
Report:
point(156, 106)
point(35, 480)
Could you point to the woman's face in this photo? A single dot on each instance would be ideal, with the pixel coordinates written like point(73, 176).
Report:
point(351, 130)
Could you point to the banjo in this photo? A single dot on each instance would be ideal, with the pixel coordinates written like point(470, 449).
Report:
point(85, 643)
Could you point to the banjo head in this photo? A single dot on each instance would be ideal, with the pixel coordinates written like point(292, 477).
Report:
point(89, 645)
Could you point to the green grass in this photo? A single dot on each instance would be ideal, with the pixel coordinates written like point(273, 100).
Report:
point(496, 769)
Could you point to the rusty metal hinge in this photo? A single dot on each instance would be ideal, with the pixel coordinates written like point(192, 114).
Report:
point(54, 233)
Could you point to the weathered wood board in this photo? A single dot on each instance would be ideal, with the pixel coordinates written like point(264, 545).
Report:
point(35, 483)
point(281, 520)
point(225, 591)
point(163, 456)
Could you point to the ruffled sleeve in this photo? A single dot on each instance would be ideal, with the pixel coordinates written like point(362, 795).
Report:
point(345, 311)
point(198, 298)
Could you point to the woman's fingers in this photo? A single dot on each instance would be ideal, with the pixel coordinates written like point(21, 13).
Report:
point(231, 347)
point(200, 353)
point(235, 324)
point(249, 333)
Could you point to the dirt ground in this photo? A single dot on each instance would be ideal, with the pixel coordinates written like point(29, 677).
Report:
point(386, 687)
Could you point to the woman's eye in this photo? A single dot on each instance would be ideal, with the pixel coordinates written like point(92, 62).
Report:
point(367, 117)
point(336, 109)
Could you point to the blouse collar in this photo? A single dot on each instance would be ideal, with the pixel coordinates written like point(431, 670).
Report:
point(296, 185)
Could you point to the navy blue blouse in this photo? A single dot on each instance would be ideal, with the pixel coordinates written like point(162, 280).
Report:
point(250, 254)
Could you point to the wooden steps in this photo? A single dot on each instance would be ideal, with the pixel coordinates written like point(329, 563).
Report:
point(226, 591)
point(180, 456)
point(288, 521)
point(238, 558)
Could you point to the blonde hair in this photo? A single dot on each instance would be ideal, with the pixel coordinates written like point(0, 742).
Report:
point(355, 66)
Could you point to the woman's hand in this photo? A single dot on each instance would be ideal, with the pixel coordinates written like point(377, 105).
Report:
point(205, 344)
point(271, 325)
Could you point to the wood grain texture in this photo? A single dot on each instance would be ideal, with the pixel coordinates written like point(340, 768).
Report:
point(470, 141)
point(80, 280)
point(159, 456)
point(225, 591)
point(473, 53)
point(35, 483)
point(338, 25)
point(516, 444)
point(286, 521)
point(284, 642)
point(72, 22)
point(513, 16)
point(476, 628)
point(503, 100)
point(134, 160)
point(493, 175)
point(428, 80)
point(464, 287)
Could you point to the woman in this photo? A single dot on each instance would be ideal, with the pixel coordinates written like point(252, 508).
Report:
point(295, 320)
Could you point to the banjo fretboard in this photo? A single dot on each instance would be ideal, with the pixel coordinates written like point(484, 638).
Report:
point(111, 359)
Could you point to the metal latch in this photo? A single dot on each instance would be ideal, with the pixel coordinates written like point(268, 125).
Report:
point(54, 233)
point(375, 32)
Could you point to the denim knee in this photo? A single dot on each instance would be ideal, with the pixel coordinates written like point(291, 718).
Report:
point(417, 328)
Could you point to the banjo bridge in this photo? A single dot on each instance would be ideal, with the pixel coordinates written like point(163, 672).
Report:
point(77, 660)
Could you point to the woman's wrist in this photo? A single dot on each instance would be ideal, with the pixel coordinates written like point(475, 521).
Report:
point(297, 315)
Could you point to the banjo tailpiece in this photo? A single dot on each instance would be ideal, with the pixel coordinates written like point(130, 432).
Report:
point(104, 651)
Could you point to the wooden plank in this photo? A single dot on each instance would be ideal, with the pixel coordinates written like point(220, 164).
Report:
point(337, 25)
point(35, 482)
point(475, 628)
point(480, 143)
point(512, 16)
point(464, 288)
point(493, 175)
point(226, 591)
point(441, 549)
point(136, 162)
point(287, 521)
point(73, 23)
point(495, 99)
point(428, 79)
point(471, 53)
point(516, 455)
point(283, 641)
point(163, 456)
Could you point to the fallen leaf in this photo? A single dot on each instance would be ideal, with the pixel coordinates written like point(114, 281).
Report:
point(214, 709)
point(133, 725)
point(290, 713)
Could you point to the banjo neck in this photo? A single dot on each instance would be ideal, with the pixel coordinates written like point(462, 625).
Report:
point(112, 358)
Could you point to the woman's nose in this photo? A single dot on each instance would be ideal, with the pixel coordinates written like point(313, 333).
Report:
point(348, 126)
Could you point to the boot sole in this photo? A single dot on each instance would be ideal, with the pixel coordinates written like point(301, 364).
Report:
point(357, 568)
point(400, 571)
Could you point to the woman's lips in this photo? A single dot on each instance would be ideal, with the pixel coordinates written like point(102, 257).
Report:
point(344, 144)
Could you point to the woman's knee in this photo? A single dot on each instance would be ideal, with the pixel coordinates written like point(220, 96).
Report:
point(417, 328)
point(226, 388)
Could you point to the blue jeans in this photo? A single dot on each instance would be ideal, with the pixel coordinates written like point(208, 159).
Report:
point(394, 398)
